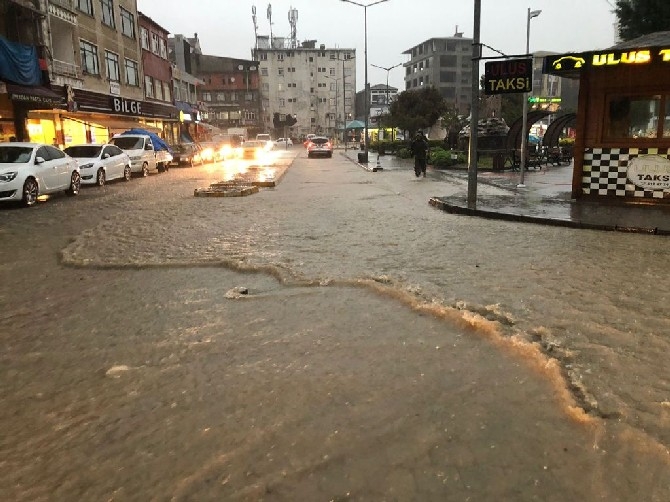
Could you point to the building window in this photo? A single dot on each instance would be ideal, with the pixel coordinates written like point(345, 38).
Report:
point(154, 43)
point(280, 72)
point(636, 117)
point(233, 96)
point(280, 57)
point(89, 58)
point(321, 70)
point(108, 13)
point(148, 86)
point(282, 102)
point(248, 96)
point(144, 38)
point(158, 89)
point(132, 73)
point(166, 92)
point(249, 115)
point(127, 23)
point(112, 66)
point(263, 57)
point(332, 56)
point(206, 96)
point(163, 48)
point(86, 6)
point(264, 72)
point(221, 96)
point(332, 71)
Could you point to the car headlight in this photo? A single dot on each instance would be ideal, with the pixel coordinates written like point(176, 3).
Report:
point(7, 177)
point(86, 166)
point(135, 157)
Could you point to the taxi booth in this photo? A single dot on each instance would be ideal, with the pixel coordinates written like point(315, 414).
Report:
point(622, 143)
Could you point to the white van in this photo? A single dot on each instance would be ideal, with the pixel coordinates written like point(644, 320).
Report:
point(268, 140)
point(143, 156)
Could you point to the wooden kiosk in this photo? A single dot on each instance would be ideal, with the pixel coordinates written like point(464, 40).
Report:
point(622, 147)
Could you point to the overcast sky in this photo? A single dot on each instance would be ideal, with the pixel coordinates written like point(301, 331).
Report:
point(225, 27)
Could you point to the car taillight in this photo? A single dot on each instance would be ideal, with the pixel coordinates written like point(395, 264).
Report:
point(327, 145)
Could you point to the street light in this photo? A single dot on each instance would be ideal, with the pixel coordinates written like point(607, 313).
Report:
point(388, 70)
point(367, 96)
point(524, 120)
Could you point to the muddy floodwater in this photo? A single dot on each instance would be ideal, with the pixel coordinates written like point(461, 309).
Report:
point(333, 338)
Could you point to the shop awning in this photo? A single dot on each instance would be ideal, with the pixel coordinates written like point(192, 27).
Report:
point(34, 94)
point(114, 123)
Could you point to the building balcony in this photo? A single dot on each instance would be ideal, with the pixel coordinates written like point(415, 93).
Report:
point(66, 69)
point(64, 10)
point(66, 4)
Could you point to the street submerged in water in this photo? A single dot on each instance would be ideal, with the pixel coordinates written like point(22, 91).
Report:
point(333, 338)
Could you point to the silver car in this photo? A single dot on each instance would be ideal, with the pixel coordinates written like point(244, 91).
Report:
point(28, 170)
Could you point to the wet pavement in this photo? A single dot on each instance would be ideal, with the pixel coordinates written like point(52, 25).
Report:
point(546, 199)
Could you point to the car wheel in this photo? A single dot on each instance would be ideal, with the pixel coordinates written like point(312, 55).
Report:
point(127, 173)
point(145, 170)
point(100, 177)
point(75, 185)
point(30, 192)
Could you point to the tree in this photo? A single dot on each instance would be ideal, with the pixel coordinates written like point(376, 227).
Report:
point(417, 109)
point(283, 120)
point(641, 17)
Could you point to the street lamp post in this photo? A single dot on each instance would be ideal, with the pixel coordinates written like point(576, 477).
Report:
point(474, 108)
point(524, 120)
point(367, 93)
point(388, 70)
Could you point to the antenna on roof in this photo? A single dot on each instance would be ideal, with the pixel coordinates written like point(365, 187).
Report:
point(293, 21)
point(269, 13)
point(253, 16)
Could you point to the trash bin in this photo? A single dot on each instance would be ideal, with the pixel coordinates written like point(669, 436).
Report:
point(363, 157)
point(498, 161)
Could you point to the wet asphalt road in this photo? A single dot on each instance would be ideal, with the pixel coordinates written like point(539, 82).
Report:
point(133, 371)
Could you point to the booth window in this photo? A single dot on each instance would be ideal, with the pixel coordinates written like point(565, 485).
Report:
point(637, 117)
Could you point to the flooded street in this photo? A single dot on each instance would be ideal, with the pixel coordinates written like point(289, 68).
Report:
point(385, 350)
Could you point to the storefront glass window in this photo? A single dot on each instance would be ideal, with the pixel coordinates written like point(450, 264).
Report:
point(633, 117)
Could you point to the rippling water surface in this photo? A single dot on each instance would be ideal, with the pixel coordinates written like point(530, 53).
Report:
point(582, 309)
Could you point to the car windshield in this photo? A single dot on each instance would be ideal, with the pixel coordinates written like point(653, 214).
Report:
point(15, 154)
point(129, 143)
point(320, 141)
point(83, 151)
point(179, 148)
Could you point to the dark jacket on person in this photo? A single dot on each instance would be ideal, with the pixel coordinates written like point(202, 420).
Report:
point(419, 147)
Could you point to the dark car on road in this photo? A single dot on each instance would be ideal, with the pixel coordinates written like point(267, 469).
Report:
point(187, 153)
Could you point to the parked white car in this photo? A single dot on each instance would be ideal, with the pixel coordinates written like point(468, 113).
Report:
point(284, 142)
point(143, 155)
point(100, 163)
point(28, 170)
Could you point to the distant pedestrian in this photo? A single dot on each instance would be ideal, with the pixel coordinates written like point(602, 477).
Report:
point(419, 148)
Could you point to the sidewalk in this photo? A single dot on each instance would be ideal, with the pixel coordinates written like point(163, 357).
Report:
point(546, 199)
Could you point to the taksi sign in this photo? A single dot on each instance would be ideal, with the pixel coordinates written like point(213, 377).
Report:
point(508, 77)
point(606, 59)
point(126, 106)
point(651, 172)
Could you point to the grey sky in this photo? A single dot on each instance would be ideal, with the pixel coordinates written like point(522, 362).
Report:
point(225, 27)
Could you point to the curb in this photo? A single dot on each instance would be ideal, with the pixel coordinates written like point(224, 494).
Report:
point(494, 215)
point(363, 166)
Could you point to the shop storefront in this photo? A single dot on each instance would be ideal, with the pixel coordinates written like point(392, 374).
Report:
point(622, 144)
point(17, 103)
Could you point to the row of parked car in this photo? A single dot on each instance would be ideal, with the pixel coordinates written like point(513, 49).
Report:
point(29, 170)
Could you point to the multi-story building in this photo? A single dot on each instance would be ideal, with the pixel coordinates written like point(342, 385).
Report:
point(314, 84)
point(379, 102)
point(157, 69)
point(230, 92)
point(95, 67)
point(182, 53)
point(445, 64)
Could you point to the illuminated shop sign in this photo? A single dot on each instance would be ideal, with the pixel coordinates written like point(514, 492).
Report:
point(541, 100)
point(651, 172)
point(565, 63)
point(508, 77)
point(126, 106)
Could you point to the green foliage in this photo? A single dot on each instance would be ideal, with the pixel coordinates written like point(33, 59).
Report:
point(438, 157)
point(403, 153)
point(511, 107)
point(417, 109)
point(640, 17)
point(452, 121)
point(289, 120)
point(566, 141)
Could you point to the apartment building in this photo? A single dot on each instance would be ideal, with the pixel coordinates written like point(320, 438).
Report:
point(445, 64)
point(230, 92)
point(182, 53)
point(94, 85)
point(314, 83)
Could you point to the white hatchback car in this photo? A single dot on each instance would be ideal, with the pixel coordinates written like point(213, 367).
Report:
point(28, 170)
point(100, 163)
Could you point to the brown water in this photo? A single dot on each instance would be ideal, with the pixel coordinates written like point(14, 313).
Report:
point(385, 351)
